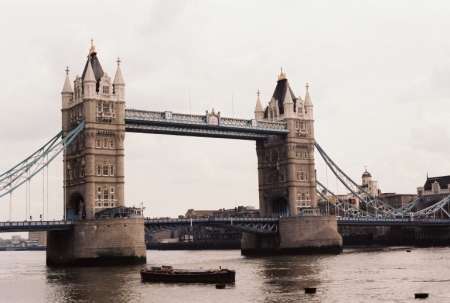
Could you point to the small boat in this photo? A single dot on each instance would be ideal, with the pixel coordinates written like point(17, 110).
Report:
point(169, 274)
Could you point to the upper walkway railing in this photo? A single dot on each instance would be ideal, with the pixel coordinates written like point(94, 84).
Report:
point(366, 221)
point(16, 226)
point(208, 125)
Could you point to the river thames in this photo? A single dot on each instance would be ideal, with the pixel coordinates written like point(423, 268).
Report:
point(353, 276)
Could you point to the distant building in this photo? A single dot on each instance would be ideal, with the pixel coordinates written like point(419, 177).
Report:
point(37, 238)
point(397, 200)
point(434, 190)
point(369, 185)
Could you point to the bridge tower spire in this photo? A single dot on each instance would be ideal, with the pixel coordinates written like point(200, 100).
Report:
point(94, 161)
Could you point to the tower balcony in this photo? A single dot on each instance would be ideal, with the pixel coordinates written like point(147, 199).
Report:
point(106, 116)
point(303, 203)
point(105, 203)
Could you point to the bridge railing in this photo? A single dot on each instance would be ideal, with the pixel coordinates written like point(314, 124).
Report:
point(35, 223)
point(204, 120)
point(371, 219)
point(211, 219)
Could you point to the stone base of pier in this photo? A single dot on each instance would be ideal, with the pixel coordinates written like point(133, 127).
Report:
point(296, 235)
point(98, 242)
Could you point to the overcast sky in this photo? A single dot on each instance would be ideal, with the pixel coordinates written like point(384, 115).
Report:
point(379, 75)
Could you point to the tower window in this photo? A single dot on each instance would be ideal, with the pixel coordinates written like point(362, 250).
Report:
point(111, 170)
point(99, 189)
point(105, 194)
point(105, 108)
point(105, 143)
point(111, 144)
point(112, 189)
point(99, 170)
point(97, 144)
point(105, 170)
point(99, 107)
point(106, 89)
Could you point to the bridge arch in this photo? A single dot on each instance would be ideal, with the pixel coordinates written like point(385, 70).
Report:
point(76, 207)
point(280, 207)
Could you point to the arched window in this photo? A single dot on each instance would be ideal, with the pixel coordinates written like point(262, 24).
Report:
point(270, 114)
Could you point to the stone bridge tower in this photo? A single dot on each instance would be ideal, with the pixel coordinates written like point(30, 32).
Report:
point(287, 181)
point(286, 171)
point(94, 161)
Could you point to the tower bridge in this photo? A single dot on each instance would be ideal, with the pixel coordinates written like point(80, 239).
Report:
point(94, 125)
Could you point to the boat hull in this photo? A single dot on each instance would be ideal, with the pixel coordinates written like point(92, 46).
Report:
point(224, 276)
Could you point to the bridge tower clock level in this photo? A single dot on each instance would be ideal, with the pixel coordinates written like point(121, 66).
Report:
point(94, 161)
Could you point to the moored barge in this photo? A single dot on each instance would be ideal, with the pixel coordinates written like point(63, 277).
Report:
point(169, 274)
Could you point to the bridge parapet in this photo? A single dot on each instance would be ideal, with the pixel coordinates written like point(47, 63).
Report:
point(210, 125)
point(15, 226)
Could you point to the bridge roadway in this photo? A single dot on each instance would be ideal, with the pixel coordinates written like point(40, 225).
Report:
point(208, 125)
point(250, 225)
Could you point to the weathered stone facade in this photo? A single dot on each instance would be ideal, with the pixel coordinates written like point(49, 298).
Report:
point(94, 161)
point(286, 171)
point(98, 242)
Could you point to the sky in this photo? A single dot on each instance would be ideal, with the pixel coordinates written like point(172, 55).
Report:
point(378, 75)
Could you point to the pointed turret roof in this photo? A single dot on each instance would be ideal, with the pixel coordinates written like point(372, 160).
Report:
point(307, 97)
point(88, 73)
point(95, 64)
point(118, 79)
point(67, 88)
point(258, 107)
point(280, 92)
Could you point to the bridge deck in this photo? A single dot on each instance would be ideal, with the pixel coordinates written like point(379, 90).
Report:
point(200, 126)
point(19, 226)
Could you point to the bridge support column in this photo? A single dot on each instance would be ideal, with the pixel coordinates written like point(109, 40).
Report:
point(296, 235)
point(98, 242)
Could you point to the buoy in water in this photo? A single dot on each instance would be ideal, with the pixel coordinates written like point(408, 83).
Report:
point(421, 295)
point(220, 286)
point(310, 290)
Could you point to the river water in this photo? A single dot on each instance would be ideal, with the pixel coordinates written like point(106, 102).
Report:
point(353, 276)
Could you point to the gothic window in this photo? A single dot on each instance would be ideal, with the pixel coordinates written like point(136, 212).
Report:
point(99, 170)
point(111, 170)
point(112, 190)
point(111, 144)
point(297, 154)
point(300, 110)
point(305, 155)
point(105, 195)
point(303, 196)
point(105, 143)
point(105, 170)
point(105, 108)
point(99, 189)
point(270, 114)
point(97, 143)
point(283, 175)
point(106, 89)
point(274, 112)
point(99, 107)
